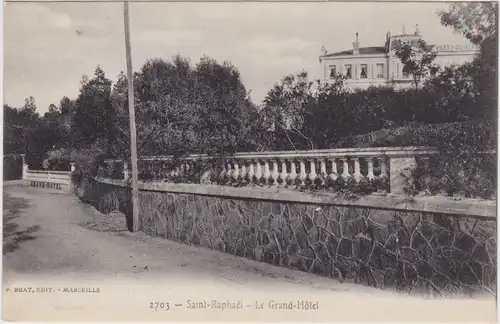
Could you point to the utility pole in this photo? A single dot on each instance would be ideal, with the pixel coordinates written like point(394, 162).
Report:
point(133, 139)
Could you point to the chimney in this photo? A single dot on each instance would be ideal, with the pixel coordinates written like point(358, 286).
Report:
point(355, 45)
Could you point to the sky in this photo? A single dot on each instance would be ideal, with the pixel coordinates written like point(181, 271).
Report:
point(45, 57)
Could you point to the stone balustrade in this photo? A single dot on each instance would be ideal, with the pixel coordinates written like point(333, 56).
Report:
point(290, 168)
point(428, 244)
point(60, 180)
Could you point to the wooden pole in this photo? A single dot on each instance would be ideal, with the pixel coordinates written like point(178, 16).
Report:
point(133, 139)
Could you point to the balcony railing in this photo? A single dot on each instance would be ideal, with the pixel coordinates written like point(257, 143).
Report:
point(383, 167)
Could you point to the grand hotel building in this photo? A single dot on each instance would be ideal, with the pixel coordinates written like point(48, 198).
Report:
point(378, 65)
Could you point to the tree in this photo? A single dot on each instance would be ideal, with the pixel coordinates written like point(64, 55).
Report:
point(67, 106)
point(283, 111)
point(29, 104)
point(94, 116)
point(477, 21)
point(417, 60)
point(181, 109)
point(17, 122)
point(53, 113)
point(293, 106)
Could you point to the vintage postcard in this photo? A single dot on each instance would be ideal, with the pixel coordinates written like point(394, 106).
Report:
point(250, 161)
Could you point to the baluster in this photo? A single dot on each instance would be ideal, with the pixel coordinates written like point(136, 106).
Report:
point(293, 172)
point(312, 173)
point(345, 172)
point(275, 174)
point(229, 173)
point(243, 171)
point(370, 174)
point(251, 172)
point(383, 168)
point(126, 173)
point(322, 171)
point(164, 171)
point(302, 175)
point(333, 174)
point(284, 174)
point(258, 171)
point(222, 174)
point(357, 170)
point(236, 171)
point(267, 173)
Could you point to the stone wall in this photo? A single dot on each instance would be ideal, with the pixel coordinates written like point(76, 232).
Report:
point(408, 251)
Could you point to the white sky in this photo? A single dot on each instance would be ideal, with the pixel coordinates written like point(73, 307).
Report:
point(44, 57)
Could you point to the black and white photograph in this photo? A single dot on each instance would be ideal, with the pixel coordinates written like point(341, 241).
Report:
point(250, 161)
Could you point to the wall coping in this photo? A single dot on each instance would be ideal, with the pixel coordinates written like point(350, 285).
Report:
point(48, 172)
point(435, 204)
point(340, 152)
point(405, 151)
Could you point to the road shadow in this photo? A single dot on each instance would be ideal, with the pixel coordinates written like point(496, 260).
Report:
point(13, 234)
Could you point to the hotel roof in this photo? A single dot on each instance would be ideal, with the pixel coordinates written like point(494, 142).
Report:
point(362, 50)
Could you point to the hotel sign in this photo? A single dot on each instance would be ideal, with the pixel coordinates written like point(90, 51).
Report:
point(455, 48)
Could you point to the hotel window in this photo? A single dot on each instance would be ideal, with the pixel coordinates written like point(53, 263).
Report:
point(348, 71)
point(380, 70)
point(364, 71)
point(333, 71)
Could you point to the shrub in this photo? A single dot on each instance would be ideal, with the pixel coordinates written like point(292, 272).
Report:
point(58, 160)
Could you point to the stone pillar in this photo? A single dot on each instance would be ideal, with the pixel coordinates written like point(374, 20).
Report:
point(401, 168)
point(25, 166)
point(71, 185)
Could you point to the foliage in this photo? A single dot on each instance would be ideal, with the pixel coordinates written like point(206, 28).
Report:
point(12, 167)
point(87, 161)
point(59, 159)
point(29, 105)
point(289, 106)
point(466, 176)
point(417, 60)
point(93, 118)
point(182, 109)
point(16, 124)
point(477, 21)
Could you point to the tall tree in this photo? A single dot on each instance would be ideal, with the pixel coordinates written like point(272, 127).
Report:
point(94, 116)
point(67, 106)
point(477, 21)
point(17, 122)
point(29, 104)
point(418, 60)
point(184, 109)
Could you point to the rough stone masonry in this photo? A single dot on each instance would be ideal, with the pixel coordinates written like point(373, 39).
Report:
point(409, 251)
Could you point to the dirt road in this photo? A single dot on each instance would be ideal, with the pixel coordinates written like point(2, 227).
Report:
point(58, 246)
